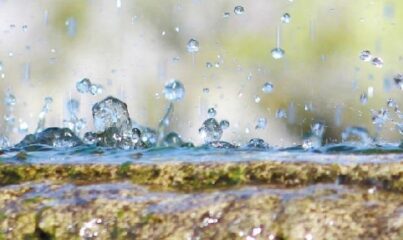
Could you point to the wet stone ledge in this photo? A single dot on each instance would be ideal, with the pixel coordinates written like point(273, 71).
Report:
point(122, 210)
point(187, 176)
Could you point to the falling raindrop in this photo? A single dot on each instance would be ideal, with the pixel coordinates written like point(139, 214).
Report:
point(277, 52)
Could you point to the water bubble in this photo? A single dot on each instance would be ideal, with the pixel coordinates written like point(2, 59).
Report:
point(312, 142)
point(365, 56)
point(84, 85)
point(286, 18)
point(281, 113)
point(172, 139)
point(268, 87)
point(398, 79)
point(239, 10)
point(210, 130)
point(224, 124)
point(377, 62)
point(192, 46)
point(356, 134)
point(277, 53)
point(111, 112)
point(261, 123)
point(174, 90)
point(364, 98)
point(211, 112)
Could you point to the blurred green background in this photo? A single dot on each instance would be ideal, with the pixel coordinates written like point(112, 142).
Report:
point(133, 47)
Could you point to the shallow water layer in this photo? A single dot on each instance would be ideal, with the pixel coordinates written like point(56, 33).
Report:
point(89, 154)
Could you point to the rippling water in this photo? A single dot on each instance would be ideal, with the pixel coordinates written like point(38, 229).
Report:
point(332, 153)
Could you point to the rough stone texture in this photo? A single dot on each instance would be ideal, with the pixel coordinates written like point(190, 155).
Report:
point(122, 210)
point(192, 176)
point(207, 200)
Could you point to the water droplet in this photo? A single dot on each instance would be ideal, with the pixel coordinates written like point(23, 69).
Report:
point(96, 89)
point(257, 99)
point(226, 14)
point(111, 112)
point(281, 113)
point(206, 90)
point(211, 112)
point(377, 62)
point(209, 65)
point(23, 127)
point(224, 124)
point(380, 117)
point(261, 123)
point(24, 28)
point(363, 98)
point(398, 79)
point(391, 103)
point(318, 129)
point(267, 87)
point(239, 10)
point(365, 56)
point(174, 90)
point(10, 99)
point(286, 18)
point(210, 130)
point(84, 85)
point(277, 53)
point(72, 106)
point(192, 46)
point(177, 29)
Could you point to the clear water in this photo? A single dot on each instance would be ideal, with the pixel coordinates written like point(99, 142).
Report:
point(90, 154)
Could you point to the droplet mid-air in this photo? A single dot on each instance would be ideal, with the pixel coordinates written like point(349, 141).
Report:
point(277, 53)
point(286, 18)
point(192, 46)
point(174, 90)
point(239, 10)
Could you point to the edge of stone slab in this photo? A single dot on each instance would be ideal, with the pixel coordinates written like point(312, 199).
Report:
point(197, 176)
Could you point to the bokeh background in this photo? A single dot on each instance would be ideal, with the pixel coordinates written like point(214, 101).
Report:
point(133, 47)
